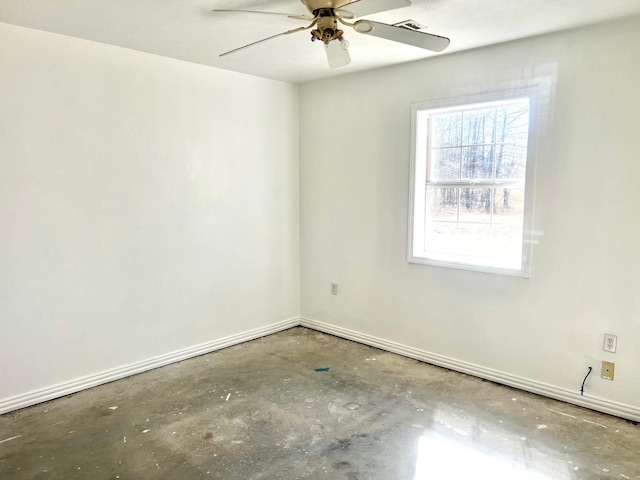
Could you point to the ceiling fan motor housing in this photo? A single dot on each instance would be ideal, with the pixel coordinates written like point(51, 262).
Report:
point(313, 5)
point(327, 26)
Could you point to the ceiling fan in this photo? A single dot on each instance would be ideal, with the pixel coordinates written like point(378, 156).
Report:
point(328, 15)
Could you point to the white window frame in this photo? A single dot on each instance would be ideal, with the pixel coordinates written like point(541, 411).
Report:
point(418, 175)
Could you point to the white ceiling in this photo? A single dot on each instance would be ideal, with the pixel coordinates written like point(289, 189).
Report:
point(188, 30)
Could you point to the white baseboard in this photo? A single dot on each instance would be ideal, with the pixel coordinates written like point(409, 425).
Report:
point(551, 391)
point(73, 386)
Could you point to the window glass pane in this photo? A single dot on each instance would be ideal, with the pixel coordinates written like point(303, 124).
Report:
point(446, 129)
point(444, 241)
point(441, 238)
point(507, 224)
point(445, 164)
point(477, 162)
point(511, 161)
point(443, 203)
point(512, 125)
point(475, 205)
point(508, 202)
point(487, 231)
point(475, 240)
point(478, 126)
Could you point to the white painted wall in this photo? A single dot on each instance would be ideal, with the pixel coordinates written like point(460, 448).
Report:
point(146, 205)
point(354, 177)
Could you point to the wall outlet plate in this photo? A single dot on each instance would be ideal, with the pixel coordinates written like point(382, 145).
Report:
point(608, 370)
point(610, 343)
point(334, 289)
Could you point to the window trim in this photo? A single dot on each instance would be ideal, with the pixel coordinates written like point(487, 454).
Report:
point(418, 170)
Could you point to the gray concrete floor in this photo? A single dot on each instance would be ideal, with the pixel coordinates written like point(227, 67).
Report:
point(260, 410)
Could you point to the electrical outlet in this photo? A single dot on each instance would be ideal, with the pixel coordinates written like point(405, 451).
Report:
point(608, 370)
point(334, 289)
point(610, 343)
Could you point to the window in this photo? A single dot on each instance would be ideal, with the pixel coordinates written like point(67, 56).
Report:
point(472, 182)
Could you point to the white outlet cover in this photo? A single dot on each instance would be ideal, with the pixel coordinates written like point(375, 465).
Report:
point(610, 343)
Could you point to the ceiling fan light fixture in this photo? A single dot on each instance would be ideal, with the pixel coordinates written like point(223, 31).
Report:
point(337, 54)
point(328, 33)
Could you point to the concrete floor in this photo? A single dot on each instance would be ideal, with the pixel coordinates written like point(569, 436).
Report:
point(260, 410)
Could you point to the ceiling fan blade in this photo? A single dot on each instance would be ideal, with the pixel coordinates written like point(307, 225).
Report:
point(361, 8)
point(263, 40)
point(337, 53)
point(290, 15)
point(424, 40)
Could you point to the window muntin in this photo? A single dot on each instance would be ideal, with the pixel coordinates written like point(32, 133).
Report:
point(469, 170)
